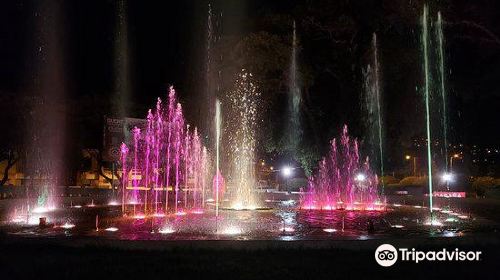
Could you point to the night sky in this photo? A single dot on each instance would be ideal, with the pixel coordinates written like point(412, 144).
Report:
point(167, 44)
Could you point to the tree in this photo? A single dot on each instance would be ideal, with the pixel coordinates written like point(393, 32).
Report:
point(12, 156)
point(97, 155)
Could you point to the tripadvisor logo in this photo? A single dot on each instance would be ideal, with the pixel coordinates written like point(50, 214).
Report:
point(387, 255)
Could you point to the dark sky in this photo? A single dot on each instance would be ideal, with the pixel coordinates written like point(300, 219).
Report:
point(167, 41)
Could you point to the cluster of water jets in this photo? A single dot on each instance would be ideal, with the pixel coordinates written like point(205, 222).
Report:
point(344, 181)
point(166, 168)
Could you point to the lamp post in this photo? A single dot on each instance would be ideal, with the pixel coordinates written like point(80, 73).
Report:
point(414, 163)
point(287, 171)
point(451, 160)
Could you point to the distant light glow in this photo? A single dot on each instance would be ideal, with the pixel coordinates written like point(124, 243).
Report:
point(180, 213)
point(287, 171)
point(113, 203)
point(398, 226)
point(329, 230)
point(111, 229)
point(447, 177)
point(360, 177)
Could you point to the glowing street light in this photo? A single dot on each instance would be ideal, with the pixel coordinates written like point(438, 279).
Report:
point(447, 177)
point(455, 156)
point(408, 157)
point(287, 171)
point(360, 177)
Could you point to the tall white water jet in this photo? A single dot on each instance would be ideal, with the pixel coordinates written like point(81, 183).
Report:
point(46, 127)
point(295, 99)
point(218, 122)
point(240, 130)
point(122, 63)
point(427, 93)
point(442, 90)
point(373, 110)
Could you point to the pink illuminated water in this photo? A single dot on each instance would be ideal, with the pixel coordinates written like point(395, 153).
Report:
point(165, 153)
point(344, 180)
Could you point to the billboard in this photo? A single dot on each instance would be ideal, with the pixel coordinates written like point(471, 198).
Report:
point(116, 131)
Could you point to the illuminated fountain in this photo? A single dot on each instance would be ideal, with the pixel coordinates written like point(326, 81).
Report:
point(374, 135)
point(166, 169)
point(295, 98)
point(240, 130)
point(344, 180)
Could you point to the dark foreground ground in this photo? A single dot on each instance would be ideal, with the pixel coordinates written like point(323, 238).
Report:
point(30, 258)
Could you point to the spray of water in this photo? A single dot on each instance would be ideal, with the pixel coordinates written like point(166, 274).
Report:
point(372, 104)
point(442, 90)
point(427, 93)
point(344, 181)
point(166, 151)
point(295, 132)
point(241, 129)
point(218, 122)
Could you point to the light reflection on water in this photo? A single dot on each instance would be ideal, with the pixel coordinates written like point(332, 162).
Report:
point(246, 225)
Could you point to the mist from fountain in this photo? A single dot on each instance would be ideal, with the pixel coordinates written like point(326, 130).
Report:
point(374, 136)
point(427, 96)
point(295, 99)
point(45, 130)
point(442, 88)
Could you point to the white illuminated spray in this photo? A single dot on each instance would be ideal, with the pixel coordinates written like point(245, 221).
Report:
point(294, 97)
point(241, 130)
point(217, 144)
point(379, 118)
point(124, 152)
point(425, 43)
point(440, 39)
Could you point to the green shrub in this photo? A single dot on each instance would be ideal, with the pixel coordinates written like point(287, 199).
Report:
point(387, 180)
point(481, 184)
point(414, 181)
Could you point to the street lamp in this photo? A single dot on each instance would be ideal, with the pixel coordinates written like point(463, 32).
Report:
point(287, 171)
point(360, 177)
point(408, 157)
point(451, 160)
point(447, 177)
